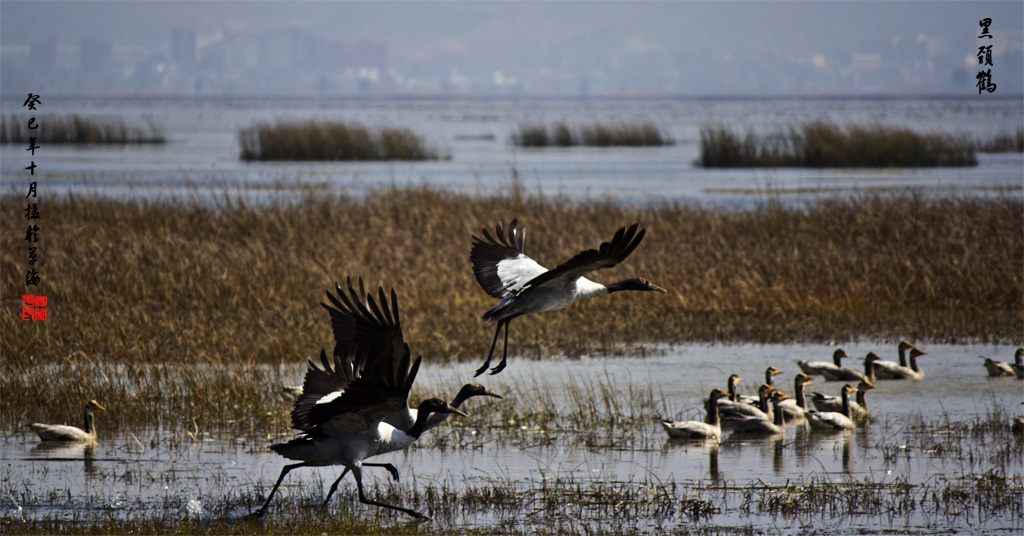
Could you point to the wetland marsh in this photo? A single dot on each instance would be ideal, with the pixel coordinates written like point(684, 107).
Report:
point(203, 276)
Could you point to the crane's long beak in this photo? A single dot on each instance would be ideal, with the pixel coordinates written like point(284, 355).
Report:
point(489, 393)
point(652, 286)
point(450, 409)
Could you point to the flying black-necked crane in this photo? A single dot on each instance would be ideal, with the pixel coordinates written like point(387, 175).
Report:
point(524, 287)
point(710, 428)
point(342, 409)
point(64, 432)
point(817, 368)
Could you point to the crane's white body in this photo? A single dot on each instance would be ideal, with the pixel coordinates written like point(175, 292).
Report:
point(504, 271)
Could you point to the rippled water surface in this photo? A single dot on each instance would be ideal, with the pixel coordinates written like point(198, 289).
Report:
point(908, 442)
point(200, 161)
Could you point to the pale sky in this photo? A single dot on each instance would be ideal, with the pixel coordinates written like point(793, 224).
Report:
point(740, 47)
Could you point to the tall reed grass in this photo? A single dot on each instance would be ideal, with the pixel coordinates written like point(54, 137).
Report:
point(242, 283)
point(560, 134)
point(826, 145)
point(1002, 143)
point(331, 140)
point(79, 129)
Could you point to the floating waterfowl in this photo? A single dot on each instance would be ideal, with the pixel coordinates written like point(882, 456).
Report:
point(816, 368)
point(761, 425)
point(833, 420)
point(710, 428)
point(913, 372)
point(858, 408)
point(887, 370)
point(844, 374)
point(64, 432)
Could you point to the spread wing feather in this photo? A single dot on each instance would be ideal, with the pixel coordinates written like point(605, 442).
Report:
point(607, 255)
point(500, 263)
point(372, 372)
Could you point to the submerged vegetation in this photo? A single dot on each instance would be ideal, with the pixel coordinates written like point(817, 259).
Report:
point(560, 134)
point(826, 145)
point(78, 129)
point(331, 140)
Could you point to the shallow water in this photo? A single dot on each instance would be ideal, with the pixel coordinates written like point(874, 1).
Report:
point(151, 472)
point(200, 161)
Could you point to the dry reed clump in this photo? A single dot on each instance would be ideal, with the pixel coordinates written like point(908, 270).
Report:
point(1002, 143)
point(78, 129)
point(331, 140)
point(826, 145)
point(141, 283)
point(560, 134)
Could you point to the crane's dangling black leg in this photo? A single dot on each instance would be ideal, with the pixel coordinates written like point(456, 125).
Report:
point(483, 368)
point(504, 354)
point(334, 487)
point(284, 471)
point(357, 472)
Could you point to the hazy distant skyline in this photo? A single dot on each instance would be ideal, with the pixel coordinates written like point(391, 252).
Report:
point(768, 47)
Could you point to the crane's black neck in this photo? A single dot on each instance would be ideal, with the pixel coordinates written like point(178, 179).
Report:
point(426, 408)
point(421, 422)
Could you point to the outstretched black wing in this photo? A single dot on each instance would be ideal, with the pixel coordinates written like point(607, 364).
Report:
point(500, 263)
point(356, 320)
point(607, 255)
point(372, 371)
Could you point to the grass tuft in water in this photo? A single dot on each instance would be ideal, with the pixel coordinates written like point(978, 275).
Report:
point(331, 140)
point(826, 145)
point(79, 130)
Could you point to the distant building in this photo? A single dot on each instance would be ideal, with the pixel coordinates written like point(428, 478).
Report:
point(95, 55)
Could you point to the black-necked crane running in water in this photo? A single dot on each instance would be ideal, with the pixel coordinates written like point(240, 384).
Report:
point(353, 322)
point(343, 408)
point(356, 320)
point(503, 269)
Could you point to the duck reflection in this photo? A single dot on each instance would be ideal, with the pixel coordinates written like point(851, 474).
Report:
point(63, 451)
